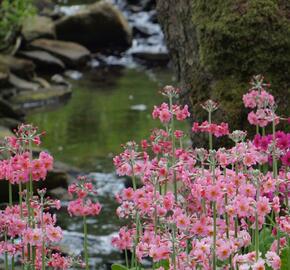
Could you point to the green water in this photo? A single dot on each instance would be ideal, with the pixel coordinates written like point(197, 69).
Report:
point(89, 129)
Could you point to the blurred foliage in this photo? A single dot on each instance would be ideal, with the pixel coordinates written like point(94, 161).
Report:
point(12, 14)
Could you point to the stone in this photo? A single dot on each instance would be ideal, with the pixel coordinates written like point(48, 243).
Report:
point(97, 26)
point(44, 61)
point(5, 132)
point(59, 79)
point(22, 84)
point(21, 67)
point(9, 122)
point(4, 76)
point(59, 193)
point(137, 5)
point(152, 58)
point(72, 54)
point(8, 110)
point(44, 5)
point(42, 97)
point(55, 179)
point(35, 27)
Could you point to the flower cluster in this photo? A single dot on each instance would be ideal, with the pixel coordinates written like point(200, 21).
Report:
point(19, 167)
point(259, 98)
point(164, 113)
point(281, 145)
point(216, 130)
point(206, 208)
point(82, 205)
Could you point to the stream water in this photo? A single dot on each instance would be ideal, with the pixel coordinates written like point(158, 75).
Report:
point(108, 107)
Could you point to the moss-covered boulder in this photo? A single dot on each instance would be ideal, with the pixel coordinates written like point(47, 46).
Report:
point(218, 45)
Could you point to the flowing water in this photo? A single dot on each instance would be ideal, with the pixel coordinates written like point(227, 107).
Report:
point(108, 107)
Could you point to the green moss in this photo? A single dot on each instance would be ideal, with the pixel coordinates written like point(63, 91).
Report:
point(238, 39)
point(242, 37)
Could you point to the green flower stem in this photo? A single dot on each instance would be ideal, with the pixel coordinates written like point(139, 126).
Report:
point(173, 147)
point(214, 236)
point(275, 174)
point(209, 134)
point(86, 243)
point(214, 263)
point(10, 203)
point(134, 261)
point(43, 242)
point(173, 247)
point(29, 194)
point(256, 236)
point(21, 215)
point(6, 253)
point(257, 224)
point(126, 258)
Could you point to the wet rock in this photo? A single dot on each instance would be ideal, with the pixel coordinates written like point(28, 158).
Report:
point(22, 84)
point(72, 54)
point(142, 31)
point(44, 6)
point(152, 58)
point(42, 97)
point(99, 26)
point(8, 110)
point(56, 179)
point(4, 75)
point(136, 5)
point(73, 74)
point(35, 27)
point(4, 132)
point(9, 122)
point(59, 79)
point(44, 61)
point(59, 193)
point(21, 67)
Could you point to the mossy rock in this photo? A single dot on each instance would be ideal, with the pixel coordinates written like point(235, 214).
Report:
point(42, 97)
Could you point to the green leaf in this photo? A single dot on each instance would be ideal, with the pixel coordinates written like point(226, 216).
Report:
point(164, 264)
point(117, 266)
point(285, 258)
point(266, 240)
